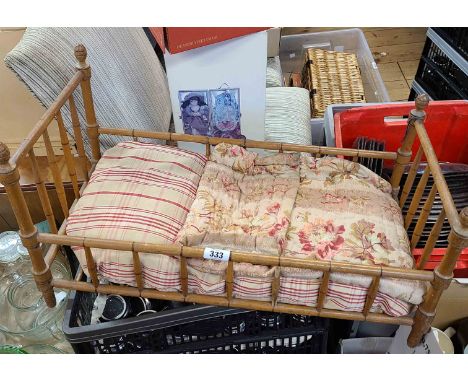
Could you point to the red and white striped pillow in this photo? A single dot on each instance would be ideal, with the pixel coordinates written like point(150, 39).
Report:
point(139, 192)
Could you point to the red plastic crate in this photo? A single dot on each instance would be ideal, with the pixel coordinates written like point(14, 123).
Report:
point(446, 124)
point(461, 268)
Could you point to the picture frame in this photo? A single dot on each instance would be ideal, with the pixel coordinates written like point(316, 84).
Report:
point(195, 111)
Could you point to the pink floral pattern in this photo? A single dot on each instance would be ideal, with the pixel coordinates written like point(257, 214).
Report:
point(240, 206)
point(321, 237)
point(235, 157)
point(326, 209)
point(344, 212)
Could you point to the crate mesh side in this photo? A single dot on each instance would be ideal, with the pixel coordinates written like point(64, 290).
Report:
point(251, 331)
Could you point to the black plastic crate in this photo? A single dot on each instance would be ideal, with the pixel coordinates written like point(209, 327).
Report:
point(193, 329)
point(455, 176)
point(439, 76)
point(456, 37)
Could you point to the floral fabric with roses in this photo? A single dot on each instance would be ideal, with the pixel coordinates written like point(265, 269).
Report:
point(297, 206)
point(345, 212)
point(243, 203)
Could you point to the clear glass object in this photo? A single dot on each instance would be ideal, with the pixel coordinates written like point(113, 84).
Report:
point(10, 258)
point(41, 349)
point(24, 313)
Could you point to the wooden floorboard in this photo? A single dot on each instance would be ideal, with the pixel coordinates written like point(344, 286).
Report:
point(398, 90)
point(408, 68)
point(391, 72)
point(395, 36)
point(396, 53)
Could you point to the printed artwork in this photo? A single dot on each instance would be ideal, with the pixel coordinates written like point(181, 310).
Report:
point(214, 113)
point(225, 121)
point(195, 112)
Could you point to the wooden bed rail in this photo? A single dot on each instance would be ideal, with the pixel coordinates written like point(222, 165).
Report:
point(9, 174)
point(458, 237)
point(439, 279)
point(248, 143)
point(41, 126)
point(239, 257)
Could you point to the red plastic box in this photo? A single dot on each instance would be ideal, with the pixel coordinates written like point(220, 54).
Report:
point(446, 124)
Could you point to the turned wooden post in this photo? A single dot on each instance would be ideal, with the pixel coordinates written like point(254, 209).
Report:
point(404, 151)
point(91, 123)
point(458, 240)
point(9, 177)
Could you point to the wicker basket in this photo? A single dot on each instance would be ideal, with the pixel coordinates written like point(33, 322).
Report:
point(332, 78)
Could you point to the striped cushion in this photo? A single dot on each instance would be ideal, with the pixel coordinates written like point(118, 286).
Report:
point(138, 192)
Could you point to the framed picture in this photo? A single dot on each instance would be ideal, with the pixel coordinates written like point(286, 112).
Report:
point(195, 112)
point(225, 113)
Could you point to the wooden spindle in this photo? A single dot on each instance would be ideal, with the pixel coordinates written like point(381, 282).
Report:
point(91, 123)
point(208, 150)
point(411, 176)
point(355, 158)
point(69, 159)
point(323, 290)
point(426, 210)
point(79, 274)
point(404, 151)
point(183, 275)
point(229, 280)
point(275, 286)
point(417, 197)
point(78, 137)
point(53, 163)
point(371, 294)
point(137, 270)
point(42, 192)
point(458, 240)
point(9, 177)
point(91, 264)
point(430, 243)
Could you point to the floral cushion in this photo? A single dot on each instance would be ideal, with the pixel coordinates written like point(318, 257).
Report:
point(239, 209)
point(345, 212)
point(235, 157)
point(241, 204)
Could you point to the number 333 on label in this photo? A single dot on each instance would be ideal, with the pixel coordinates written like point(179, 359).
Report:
point(216, 254)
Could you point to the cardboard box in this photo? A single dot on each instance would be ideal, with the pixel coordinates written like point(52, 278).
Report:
point(183, 39)
point(453, 305)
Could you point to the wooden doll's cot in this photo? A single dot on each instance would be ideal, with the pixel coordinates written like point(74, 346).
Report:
point(421, 320)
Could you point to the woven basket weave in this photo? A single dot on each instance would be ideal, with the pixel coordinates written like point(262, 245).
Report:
point(331, 77)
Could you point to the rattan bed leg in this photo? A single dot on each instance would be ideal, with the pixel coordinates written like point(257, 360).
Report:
point(9, 177)
point(91, 123)
point(404, 152)
point(442, 278)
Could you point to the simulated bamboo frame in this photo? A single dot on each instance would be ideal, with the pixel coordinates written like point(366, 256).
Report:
point(421, 321)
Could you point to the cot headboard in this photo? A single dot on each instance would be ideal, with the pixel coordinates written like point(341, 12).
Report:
point(9, 174)
point(9, 177)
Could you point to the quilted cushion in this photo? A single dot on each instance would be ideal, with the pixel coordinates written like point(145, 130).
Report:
point(138, 192)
